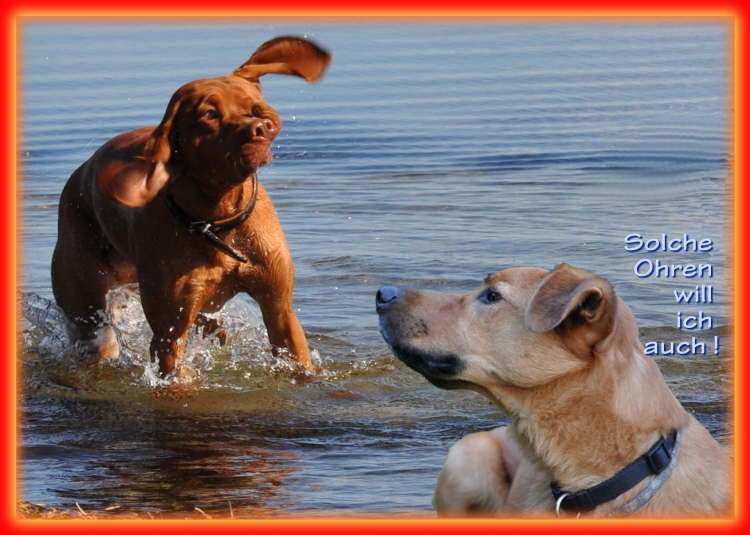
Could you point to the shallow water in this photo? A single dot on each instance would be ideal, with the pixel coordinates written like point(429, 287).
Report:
point(428, 156)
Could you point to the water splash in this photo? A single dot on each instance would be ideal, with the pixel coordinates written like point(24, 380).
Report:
point(45, 326)
point(243, 362)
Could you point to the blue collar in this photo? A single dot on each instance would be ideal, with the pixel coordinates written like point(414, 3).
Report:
point(651, 463)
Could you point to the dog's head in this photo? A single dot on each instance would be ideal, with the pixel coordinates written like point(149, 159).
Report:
point(524, 327)
point(220, 130)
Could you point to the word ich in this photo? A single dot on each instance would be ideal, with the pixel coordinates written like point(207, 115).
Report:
point(701, 294)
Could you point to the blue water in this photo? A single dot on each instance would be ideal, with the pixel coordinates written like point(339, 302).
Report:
point(428, 156)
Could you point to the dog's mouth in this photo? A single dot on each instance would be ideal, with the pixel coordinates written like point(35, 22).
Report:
point(253, 155)
point(260, 139)
point(440, 369)
point(256, 145)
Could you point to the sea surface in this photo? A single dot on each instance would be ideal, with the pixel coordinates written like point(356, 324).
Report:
point(431, 154)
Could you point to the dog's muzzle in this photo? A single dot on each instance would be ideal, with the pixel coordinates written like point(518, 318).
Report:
point(435, 367)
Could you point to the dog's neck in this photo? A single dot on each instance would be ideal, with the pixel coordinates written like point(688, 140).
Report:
point(206, 202)
point(586, 426)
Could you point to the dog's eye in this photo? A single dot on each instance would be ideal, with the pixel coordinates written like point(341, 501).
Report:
point(209, 114)
point(256, 111)
point(489, 296)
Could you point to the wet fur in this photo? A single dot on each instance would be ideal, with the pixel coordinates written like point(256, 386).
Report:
point(115, 228)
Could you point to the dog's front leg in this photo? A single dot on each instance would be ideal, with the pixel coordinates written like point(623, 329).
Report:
point(167, 349)
point(489, 473)
point(476, 477)
point(285, 331)
point(272, 290)
point(171, 312)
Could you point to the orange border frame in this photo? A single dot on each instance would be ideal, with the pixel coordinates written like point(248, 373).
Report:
point(329, 9)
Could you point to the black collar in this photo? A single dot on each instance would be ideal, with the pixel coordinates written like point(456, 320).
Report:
point(208, 229)
point(653, 462)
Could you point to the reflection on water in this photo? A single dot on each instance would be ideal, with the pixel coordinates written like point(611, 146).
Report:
point(427, 157)
point(157, 461)
point(242, 433)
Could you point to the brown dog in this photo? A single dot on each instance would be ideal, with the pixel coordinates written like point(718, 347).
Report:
point(179, 210)
point(559, 351)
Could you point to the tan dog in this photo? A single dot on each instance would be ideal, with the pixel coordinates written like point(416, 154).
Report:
point(559, 351)
point(179, 210)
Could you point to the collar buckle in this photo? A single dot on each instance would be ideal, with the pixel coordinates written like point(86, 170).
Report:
point(658, 457)
point(207, 229)
point(199, 227)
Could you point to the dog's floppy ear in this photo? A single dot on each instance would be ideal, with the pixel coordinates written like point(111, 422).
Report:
point(573, 297)
point(159, 146)
point(286, 55)
point(135, 184)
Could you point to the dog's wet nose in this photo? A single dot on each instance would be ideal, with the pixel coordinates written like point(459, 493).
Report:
point(386, 296)
point(263, 128)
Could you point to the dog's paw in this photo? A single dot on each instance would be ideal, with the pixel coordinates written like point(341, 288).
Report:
point(103, 347)
point(183, 374)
